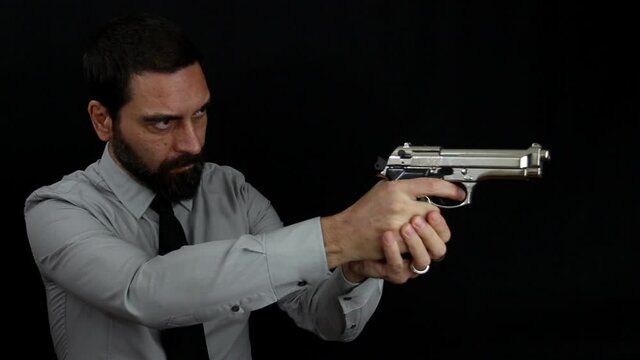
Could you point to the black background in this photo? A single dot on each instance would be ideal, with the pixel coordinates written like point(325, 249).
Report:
point(307, 95)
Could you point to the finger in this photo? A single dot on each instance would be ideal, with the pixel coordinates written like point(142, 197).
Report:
point(411, 273)
point(394, 262)
point(425, 186)
point(433, 243)
point(439, 224)
point(416, 245)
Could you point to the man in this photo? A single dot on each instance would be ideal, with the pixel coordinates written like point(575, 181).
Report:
point(112, 293)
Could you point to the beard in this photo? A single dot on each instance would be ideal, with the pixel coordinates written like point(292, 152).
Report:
point(173, 185)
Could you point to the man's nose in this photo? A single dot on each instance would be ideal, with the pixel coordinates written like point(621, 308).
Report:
point(187, 139)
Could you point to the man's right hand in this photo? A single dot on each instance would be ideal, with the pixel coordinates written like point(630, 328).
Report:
point(354, 234)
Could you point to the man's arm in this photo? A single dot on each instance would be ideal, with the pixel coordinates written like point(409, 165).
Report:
point(86, 258)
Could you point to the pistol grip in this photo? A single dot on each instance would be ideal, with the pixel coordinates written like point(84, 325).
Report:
point(401, 173)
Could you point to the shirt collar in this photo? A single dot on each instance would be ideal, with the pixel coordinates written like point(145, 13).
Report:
point(133, 195)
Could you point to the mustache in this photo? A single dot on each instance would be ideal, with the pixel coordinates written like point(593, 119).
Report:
point(181, 161)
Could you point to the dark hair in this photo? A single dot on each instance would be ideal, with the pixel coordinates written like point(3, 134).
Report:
point(130, 45)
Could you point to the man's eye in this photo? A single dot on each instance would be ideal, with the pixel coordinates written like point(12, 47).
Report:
point(162, 125)
point(200, 112)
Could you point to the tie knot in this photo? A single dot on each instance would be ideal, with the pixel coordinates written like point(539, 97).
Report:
point(161, 205)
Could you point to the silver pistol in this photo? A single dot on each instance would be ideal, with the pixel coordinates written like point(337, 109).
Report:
point(464, 167)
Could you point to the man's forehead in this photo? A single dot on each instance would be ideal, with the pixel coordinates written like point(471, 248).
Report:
point(185, 87)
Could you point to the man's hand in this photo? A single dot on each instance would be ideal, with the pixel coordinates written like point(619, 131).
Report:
point(354, 234)
point(424, 240)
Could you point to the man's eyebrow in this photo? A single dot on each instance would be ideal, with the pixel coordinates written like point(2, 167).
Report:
point(154, 118)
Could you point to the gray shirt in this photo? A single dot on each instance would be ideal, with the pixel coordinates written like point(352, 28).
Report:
point(95, 241)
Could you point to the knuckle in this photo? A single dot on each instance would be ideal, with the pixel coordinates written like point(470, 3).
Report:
point(396, 269)
point(435, 184)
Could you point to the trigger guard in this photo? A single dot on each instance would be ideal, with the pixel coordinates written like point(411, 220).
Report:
point(425, 198)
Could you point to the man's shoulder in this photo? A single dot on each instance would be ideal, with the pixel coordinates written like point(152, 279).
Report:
point(214, 172)
point(73, 187)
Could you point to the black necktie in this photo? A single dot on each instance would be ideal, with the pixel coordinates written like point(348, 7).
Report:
point(187, 342)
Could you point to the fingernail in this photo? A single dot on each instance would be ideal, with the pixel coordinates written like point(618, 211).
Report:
point(436, 218)
point(419, 222)
point(408, 231)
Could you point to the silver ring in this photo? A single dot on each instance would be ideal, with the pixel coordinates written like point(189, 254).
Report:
point(419, 272)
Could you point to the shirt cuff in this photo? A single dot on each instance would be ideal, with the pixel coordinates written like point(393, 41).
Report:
point(350, 283)
point(296, 256)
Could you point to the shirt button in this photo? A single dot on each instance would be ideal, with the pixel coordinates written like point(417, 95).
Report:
point(302, 283)
point(235, 308)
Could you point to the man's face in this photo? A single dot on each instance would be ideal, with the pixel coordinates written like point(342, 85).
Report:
point(161, 131)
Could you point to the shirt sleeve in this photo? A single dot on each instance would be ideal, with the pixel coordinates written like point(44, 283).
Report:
point(86, 257)
point(88, 244)
point(334, 309)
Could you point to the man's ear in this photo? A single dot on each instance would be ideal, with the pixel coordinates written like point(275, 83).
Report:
point(101, 120)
